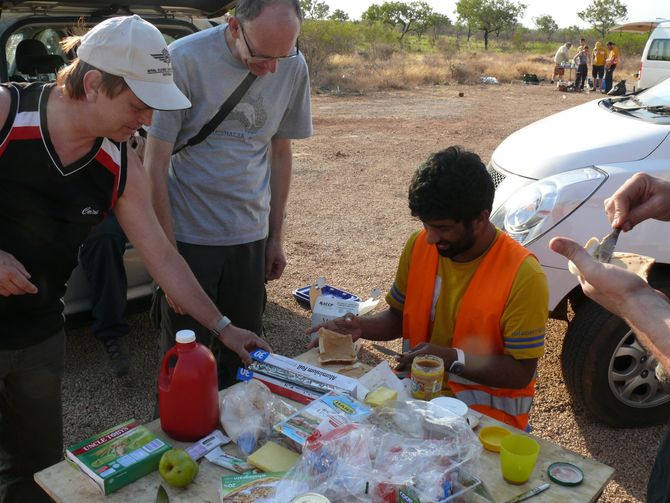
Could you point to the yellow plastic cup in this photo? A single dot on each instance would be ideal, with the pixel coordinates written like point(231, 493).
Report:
point(518, 455)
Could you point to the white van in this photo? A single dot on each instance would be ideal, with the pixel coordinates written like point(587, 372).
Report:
point(655, 62)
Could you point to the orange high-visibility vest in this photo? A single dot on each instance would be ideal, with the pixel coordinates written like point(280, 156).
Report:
point(477, 328)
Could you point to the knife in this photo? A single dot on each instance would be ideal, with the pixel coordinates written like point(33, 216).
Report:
point(162, 495)
point(605, 249)
point(385, 350)
point(529, 494)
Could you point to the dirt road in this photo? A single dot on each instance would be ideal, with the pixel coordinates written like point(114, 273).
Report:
point(347, 220)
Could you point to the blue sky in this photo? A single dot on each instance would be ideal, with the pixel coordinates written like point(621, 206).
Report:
point(564, 12)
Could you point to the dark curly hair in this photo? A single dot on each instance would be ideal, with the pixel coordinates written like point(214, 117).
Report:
point(452, 183)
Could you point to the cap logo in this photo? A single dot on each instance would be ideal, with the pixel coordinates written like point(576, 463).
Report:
point(163, 56)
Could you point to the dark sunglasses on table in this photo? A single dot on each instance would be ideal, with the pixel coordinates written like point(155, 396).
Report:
point(259, 59)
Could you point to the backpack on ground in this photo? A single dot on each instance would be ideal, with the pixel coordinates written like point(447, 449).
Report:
point(619, 89)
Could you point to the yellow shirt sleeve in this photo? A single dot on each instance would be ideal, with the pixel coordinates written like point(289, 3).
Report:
point(525, 317)
point(395, 298)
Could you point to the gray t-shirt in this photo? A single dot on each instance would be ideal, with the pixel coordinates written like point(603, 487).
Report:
point(220, 188)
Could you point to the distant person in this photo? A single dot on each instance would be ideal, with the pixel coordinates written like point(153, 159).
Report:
point(581, 59)
point(464, 291)
point(101, 259)
point(582, 44)
point(613, 59)
point(598, 71)
point(561, 58)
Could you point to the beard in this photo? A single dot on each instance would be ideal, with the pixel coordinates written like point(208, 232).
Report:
point(451, 249)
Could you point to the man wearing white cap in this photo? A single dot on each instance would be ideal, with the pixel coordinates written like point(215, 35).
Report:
point(63, 164)
point(223, 200)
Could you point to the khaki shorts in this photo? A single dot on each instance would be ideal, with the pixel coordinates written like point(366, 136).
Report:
point(559, 70)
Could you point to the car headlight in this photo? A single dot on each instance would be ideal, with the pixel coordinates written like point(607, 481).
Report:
point(537, 208)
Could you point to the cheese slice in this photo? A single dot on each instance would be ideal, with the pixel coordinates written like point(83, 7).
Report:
point(273, 458)
point(335, 347)
point(380, 396)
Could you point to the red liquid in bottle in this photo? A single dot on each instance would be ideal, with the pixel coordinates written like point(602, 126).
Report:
point(188, 397)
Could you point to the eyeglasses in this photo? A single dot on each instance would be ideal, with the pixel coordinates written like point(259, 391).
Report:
point(260, 59)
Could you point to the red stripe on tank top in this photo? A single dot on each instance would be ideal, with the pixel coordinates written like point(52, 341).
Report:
point(110, 165)
point(21, 133)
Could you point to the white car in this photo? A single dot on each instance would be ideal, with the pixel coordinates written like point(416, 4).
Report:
point(44, 24)
point(552, 178)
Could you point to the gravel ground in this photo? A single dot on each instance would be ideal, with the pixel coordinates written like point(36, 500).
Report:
point(348, 220)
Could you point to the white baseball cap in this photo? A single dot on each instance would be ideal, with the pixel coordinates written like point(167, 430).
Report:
point(134, 49)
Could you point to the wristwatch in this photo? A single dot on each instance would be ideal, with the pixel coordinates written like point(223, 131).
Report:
point(220, 325)
point(458, 365)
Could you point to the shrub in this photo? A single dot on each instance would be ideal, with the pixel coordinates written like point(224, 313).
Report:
point(320, 39)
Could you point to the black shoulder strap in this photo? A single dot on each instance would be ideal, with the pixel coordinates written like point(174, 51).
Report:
point(225, 109)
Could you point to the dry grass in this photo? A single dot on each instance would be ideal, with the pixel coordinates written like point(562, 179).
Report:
point(385, 69)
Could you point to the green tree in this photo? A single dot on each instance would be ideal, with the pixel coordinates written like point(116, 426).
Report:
point(571, 33)
point(313, 9)
point(320, 39)
point(546, 24)
point(466, 11)
point(603, 15)
point(405, 17)
point(339, 15)
point(490, 16)
point(437, 25)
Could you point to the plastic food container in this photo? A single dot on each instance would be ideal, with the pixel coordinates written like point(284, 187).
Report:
point(310, 498)
point(491, 436)
point(302, 294)
point(454, 405)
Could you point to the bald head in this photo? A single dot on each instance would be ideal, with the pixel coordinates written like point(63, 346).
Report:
point(248, 10)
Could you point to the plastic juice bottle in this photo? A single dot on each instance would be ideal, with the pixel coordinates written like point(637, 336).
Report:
point(188, 397)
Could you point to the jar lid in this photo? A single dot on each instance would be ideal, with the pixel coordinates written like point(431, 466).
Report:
point(185, 336)
point(565, 474)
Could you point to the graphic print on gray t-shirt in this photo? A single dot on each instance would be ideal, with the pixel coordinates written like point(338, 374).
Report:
point(250, 112)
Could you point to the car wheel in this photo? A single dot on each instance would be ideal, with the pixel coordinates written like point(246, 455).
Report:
point(609, 373)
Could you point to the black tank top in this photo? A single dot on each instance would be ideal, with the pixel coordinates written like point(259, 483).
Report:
point(47, 210)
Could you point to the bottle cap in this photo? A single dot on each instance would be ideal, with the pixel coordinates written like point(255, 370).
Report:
point(565, 474)
point(185, 336)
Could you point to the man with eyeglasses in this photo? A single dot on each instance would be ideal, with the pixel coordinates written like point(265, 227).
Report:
point(223, 200)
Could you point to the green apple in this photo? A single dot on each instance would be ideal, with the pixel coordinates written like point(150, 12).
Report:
point(177, 468)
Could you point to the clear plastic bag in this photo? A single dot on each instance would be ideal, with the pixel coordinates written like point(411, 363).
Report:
point(336, 465)
point(248, 412)
point(418, 419)
point(408, 446)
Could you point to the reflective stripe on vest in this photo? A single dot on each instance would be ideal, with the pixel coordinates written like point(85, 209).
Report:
point(514, 404)
point(477, 327)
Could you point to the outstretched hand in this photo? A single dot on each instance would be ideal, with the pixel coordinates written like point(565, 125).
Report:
point(641, 197)
point(14, 278)
point(242, 341)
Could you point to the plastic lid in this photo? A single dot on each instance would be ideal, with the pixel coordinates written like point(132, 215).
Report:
point(454, 405)
point(491, 436)
point(185, 336)
point(310, 498)
point(565, 474)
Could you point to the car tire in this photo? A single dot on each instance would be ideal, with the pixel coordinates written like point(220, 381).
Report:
point(609, 373)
